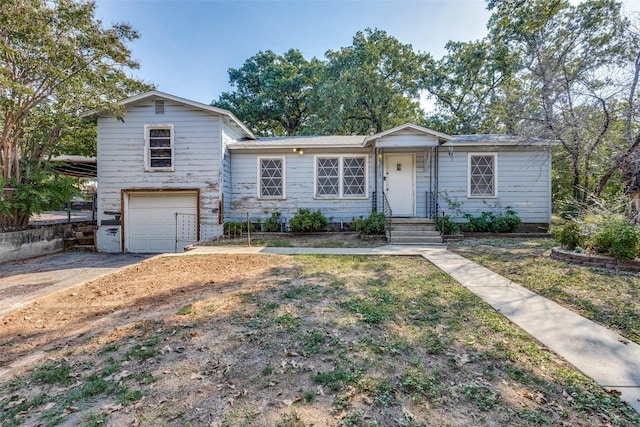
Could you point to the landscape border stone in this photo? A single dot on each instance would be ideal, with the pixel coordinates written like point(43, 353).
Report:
point(601, 261)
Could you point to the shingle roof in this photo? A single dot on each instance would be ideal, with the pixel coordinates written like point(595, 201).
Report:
point(336, 141)
point(497, 139)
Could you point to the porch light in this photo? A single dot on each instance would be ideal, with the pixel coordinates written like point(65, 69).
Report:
point(298, 150)
point(450, 151)
point(380, 156)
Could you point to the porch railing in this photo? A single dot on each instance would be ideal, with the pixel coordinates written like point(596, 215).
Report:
point(388, 213)
point(432, 205)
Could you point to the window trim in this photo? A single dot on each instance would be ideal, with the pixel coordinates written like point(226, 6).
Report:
point(340, 194)
point(147, 148)
point(495, 176)
point(284, 177)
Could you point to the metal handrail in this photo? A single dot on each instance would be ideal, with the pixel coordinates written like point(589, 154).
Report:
point(388, 213)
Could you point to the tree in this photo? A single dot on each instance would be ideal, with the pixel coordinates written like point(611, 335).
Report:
point(274, 93)
point(56, 60)
point(370, 86)
point(568, 58)
point(466, 84)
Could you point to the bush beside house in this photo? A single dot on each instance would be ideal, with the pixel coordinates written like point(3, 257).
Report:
point(612, 235)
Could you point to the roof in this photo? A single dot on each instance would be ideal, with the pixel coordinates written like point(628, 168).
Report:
point(333, 141)
point(441, 137)
point(154, 94)
point(78, 166)
point(497, 139)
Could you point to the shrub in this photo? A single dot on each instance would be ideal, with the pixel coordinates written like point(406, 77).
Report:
point(373, 224)
point(618, 238)
point(305, 221)
point(508, 223)
point(568, 235)
point(479, 224)
point(446, 225)
point(239, 227)
point(272, 224)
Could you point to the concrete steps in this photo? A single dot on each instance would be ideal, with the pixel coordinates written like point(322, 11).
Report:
point(84, 239)
point(413, 231)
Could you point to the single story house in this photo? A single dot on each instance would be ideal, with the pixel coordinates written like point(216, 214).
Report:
point(173, 170)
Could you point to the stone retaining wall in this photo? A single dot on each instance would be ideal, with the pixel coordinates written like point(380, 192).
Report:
point(34, 242)
point(600, 261)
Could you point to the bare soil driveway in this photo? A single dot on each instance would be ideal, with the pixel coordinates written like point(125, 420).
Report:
point(22, 282)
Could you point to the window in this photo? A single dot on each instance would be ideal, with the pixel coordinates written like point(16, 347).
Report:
point(271, 172)
point(159, 147)
point(482, 175)
point(341, 176)
point(328, 177)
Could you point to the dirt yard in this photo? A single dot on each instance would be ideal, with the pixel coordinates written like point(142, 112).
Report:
point(149, 289)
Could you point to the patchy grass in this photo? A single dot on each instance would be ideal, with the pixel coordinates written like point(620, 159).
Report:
point(604, 296)
point(323, 340)
point(315, 240)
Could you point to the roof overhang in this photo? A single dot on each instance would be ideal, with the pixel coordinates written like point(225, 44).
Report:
point(497, 140)
point(78, 166)
point(154, 94)
point(301, 142)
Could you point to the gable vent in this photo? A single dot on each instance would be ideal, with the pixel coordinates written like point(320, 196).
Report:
point(160, 107)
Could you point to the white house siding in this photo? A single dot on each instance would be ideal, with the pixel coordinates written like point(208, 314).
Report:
point(299, 186)
point(120, 162)
point(524, 182)
point(228, 136)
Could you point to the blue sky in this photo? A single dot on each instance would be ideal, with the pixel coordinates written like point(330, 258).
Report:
point(187, 46)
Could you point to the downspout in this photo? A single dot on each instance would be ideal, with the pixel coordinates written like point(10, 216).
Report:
point(375, 174)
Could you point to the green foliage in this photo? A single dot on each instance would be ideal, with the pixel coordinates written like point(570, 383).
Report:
point(507, 222)
point(62, 61)
point(54, 373)
point(461, 83)
point(618, 238)
point(372, 85)
point(237, 227)
point(336, 380)
point(483, 396)
point(568, 235)
point(305, 221)
point(274, 93)
point(479, 224)
point(446, 225)
point(374, 224)
point(39, 191)
point(272, 224)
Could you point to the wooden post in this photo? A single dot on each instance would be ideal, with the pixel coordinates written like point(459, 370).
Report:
point(248, 230)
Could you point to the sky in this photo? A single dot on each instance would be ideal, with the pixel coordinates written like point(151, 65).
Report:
point(186, 47)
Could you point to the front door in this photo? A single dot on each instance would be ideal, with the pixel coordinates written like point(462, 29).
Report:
point(399, 176)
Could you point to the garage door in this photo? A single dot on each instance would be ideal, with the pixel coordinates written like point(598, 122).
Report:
point(161, 222)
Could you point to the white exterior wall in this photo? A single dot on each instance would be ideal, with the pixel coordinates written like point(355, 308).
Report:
point(121, 157)
point(524, 182)
point(228, 136)
point(299, 186)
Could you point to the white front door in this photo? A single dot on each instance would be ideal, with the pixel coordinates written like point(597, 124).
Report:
point(399, 187)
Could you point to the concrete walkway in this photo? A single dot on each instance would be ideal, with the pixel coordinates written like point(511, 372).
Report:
point(606, 357)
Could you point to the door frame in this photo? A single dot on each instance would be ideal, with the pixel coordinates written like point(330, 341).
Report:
point(413, 177)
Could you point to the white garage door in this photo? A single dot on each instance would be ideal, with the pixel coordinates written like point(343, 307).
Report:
point(161, 222)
